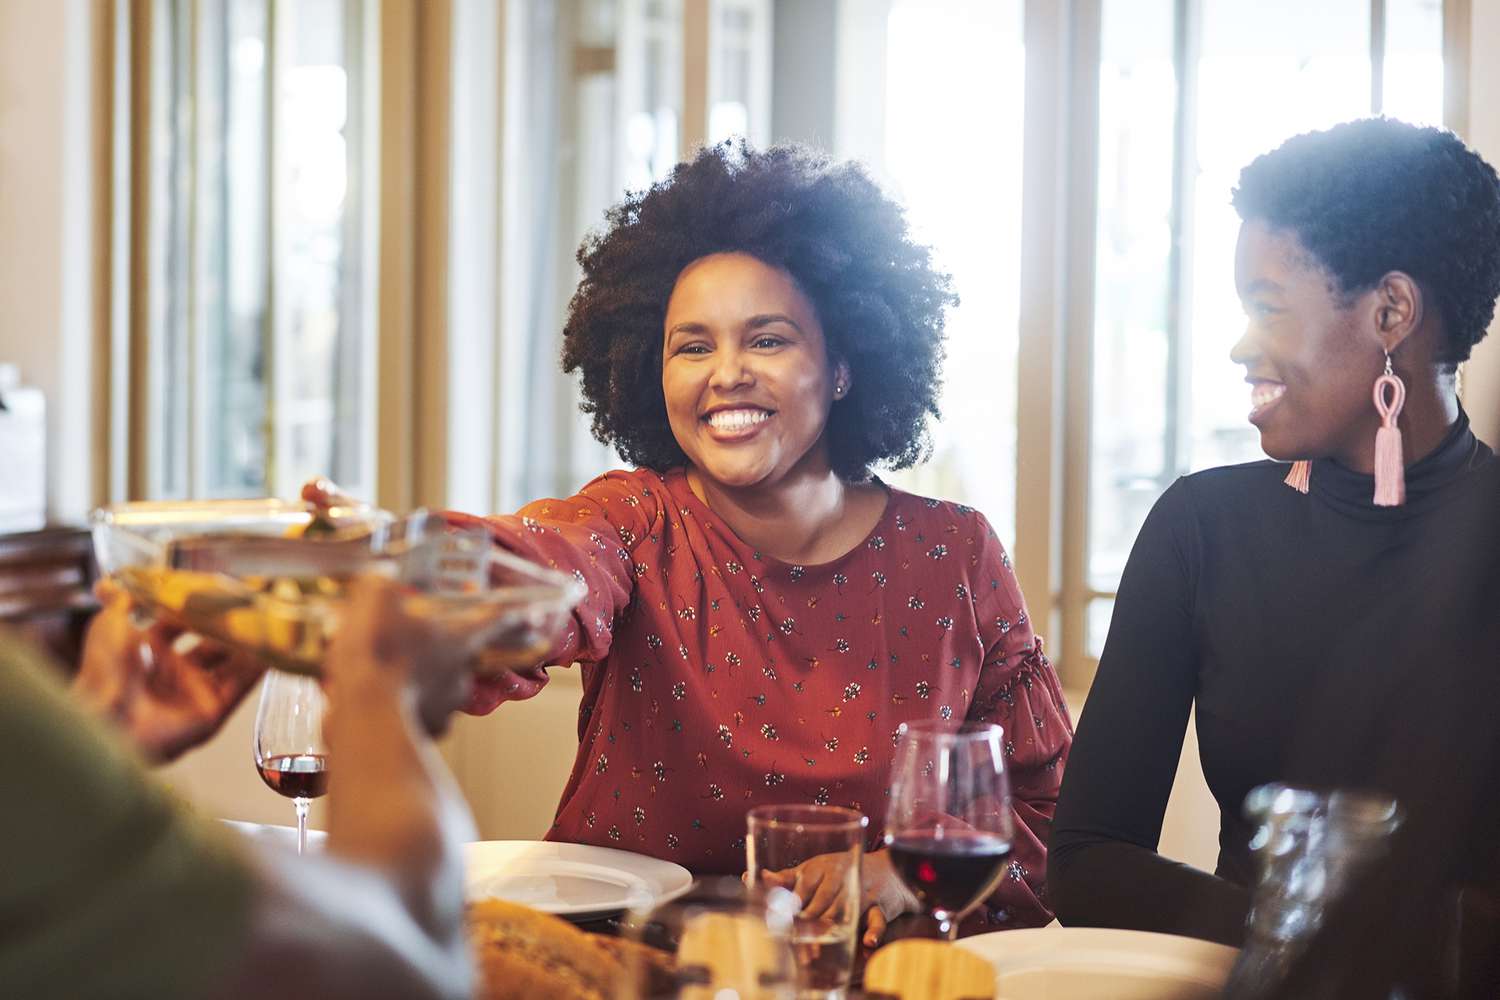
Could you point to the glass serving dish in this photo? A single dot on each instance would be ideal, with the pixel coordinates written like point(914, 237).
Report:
point(269, 576)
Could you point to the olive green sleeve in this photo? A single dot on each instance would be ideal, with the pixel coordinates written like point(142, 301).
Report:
point(108, 887)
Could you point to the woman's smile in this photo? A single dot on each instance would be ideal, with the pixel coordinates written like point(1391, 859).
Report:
point(730, 424)
point(1264, 395)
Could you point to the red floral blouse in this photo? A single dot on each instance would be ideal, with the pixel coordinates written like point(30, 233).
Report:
point(716, 678)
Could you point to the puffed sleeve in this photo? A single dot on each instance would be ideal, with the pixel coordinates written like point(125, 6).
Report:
point(589, 536)
point(1019, 691)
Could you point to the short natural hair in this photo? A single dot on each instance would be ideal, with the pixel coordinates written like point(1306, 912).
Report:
point(880, 300)
point(1377, 195)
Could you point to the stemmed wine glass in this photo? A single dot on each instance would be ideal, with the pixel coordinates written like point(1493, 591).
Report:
point(289, 749)
point(949, 823)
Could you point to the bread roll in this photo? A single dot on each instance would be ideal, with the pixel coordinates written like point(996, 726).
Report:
point(522, 953)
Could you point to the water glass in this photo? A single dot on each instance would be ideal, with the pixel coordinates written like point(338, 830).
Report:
point(816, 852)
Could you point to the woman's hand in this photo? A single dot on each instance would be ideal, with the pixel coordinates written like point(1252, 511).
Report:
point(819, 883)
point(170, 690)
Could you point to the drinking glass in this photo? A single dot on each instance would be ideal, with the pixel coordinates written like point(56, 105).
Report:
point(289, 750)
point(726, 939)
point(829, 842)
point(949, 823)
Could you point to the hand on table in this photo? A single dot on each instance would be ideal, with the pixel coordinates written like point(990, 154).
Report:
point(819, 884)
point(169, 689)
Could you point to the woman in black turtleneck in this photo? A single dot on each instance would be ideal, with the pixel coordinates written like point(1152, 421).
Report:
point(1312, 630)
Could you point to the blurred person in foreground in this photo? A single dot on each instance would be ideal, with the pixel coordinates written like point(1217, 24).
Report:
point(1298, 610)
point(112, 889)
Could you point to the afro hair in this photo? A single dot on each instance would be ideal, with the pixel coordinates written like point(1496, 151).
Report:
point(876, 292)
point(1377, 195)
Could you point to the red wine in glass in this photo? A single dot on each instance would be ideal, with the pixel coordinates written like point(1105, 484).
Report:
point(297, 776)
point(290, 755)
point(948, 820)
point(952, 872)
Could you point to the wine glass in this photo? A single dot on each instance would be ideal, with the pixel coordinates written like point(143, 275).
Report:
point(949, 823)
point(289, 750)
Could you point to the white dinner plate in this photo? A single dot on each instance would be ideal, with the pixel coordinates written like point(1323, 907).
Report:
point(1086, 963)
point(576, 881)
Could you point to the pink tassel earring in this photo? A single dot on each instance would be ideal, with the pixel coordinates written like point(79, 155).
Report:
point(1300, 477)
point(1390, 470)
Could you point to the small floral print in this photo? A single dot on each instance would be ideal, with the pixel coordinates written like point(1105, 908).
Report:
point(874, 664)
point(879, 578)
point(870, 715)
point(614, 833)
point(590, 818)
point(788, 626)
point(851, 691)
point(602, 764)
point(660, 770)
point(877, 543)
point(759, 699)
point(1016, 871)
point(945, 623)
point(768, 731)
point(725, 735)
point(820, 797)
point(687, 614)
point(733, 567)
point(956, 663)
point(839, 579)
point(901, 523)
point(923, 689)
point(635, 681)
point(760, 588)
point(654, 641)
point(895, 736)
point(862, 755)
point(679, 691)
point(676, 725)
point(945, 711)
point(640, 815)
point(1003, 625)
point(915, 603)
point(672, 841)
point(753, 613)
point(732, 659)
point(938, 552)
point(716, 793)
point(774, 778)
point(961, 592)
point(841, 645)
point(797, 572)
point(682, 651)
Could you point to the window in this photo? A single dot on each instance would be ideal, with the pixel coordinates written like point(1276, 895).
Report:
point(959, 177)
point(257, 344)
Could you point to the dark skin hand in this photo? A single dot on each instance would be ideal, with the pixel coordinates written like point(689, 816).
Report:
point(167, 689)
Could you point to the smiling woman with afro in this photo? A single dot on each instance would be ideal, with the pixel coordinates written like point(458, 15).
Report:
point(761, 616)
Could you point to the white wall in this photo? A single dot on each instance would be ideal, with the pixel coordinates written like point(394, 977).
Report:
point(46, 261)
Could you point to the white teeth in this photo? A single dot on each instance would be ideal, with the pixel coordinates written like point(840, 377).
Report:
point(1265, 393)
point(736, 420)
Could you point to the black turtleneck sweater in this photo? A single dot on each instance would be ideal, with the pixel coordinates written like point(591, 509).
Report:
point(1324, 641)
